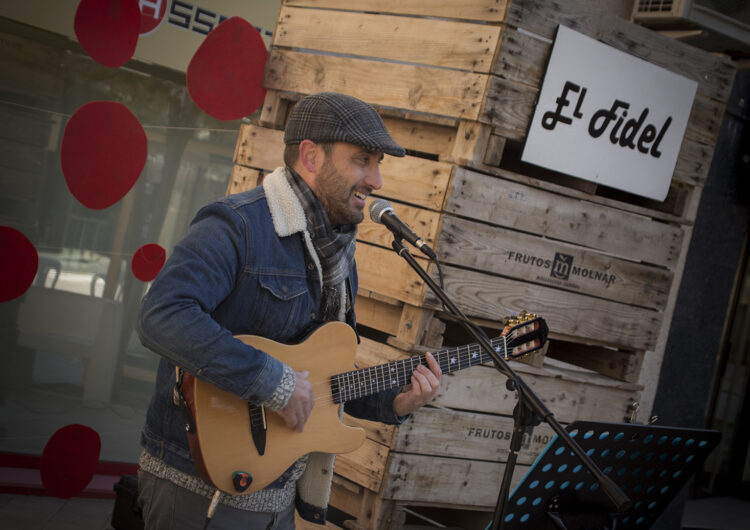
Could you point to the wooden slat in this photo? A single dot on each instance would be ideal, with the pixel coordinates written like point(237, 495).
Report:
point(378, 315)
point(713, 74)
point(417, 88)
point(243, 179)
point(580, 316)
point(364, 466)
point(376, 431)
point(705, 120)
point(274, 110)
point(561, 186)
point(424, 137)
point(406, 324)
point(533, 259)
point(432, 42)
point(622, 365)
point(509, 107)
point(472, 142)
point(259, 147)
point(528, 209)
point(416, 181)
point(346, 495)
point(408, 179)
point(493, 156)
point(522, 58)
point(451, 481)
point(693, 163)
point(480, 10)
point(385, 272)
point(418, 327)
point(443, 432)
point(569, 395)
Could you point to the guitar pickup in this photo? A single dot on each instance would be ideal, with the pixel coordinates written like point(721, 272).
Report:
point(258, 426)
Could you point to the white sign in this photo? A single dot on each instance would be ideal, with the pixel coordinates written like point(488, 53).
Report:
point(609, 117)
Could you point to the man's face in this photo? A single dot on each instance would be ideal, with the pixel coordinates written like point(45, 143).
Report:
point(348, 175)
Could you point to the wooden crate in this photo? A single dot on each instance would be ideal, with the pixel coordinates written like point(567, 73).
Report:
point(451, 454)
point(456, 83)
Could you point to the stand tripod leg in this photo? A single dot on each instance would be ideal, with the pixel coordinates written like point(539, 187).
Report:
point(557, 521)
point(524, 418)
point(502, 500)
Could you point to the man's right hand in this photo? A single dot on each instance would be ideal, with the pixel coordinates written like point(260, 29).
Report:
point(300, 405)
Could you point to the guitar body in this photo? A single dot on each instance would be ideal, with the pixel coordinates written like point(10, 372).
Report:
point(223, 423)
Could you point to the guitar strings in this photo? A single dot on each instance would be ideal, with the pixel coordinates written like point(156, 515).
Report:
point(352, 385)
point(357, 386)
point(354, 389)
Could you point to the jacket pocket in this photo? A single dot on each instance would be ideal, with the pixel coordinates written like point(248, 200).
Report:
point(283, 307)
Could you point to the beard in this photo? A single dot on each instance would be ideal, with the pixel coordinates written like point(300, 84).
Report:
point(334, 194)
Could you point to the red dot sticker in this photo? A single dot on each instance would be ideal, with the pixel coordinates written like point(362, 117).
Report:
point(69, 460)
point(108, 29)
point(148, 261)
point(102, 154)
point(225, 75)
point(152, 15)
point(19, 263)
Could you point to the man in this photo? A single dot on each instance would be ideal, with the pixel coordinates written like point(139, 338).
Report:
point(277, 262)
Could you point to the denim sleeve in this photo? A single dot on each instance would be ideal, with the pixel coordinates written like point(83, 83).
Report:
point(377, 407)
point(175, 317)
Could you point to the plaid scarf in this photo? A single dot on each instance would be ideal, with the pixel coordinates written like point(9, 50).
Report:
point(334, 245)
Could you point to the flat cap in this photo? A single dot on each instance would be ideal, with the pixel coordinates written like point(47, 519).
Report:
point(331, 117)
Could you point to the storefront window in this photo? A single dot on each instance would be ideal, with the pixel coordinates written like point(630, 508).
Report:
point(70, 355)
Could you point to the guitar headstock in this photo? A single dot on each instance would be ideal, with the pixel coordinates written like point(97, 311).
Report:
point(524, 334)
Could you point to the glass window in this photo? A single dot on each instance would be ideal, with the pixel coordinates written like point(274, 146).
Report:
point(69, 350)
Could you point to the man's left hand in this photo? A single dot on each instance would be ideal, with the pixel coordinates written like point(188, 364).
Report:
point(424, 387)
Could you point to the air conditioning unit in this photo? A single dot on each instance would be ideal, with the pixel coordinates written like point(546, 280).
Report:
point(713, 25)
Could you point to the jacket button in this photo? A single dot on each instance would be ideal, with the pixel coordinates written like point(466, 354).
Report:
point(310, 266)
point(313, 315)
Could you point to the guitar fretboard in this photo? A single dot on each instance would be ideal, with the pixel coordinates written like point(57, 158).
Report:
point(367, 381)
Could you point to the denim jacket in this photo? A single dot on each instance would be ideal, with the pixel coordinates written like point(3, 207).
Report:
point(246, 266)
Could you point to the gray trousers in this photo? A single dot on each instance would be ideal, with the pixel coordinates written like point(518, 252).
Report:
point(167, 506)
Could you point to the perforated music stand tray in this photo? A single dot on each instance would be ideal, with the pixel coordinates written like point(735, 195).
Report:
point(649, 463)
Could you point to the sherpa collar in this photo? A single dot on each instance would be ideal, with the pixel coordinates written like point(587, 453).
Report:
point(286, 210)
point(287, 213)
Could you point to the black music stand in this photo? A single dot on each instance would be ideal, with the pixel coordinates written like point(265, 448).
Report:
point(649, 463)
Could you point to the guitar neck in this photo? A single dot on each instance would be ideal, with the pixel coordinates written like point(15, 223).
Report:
point(367, 381)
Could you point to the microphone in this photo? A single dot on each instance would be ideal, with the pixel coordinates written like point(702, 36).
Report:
point(381, 212)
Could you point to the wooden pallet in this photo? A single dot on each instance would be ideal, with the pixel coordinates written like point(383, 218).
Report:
point(451, 454)
point(456, 83)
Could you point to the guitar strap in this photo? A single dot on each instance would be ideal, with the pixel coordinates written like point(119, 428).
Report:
point(178, 397)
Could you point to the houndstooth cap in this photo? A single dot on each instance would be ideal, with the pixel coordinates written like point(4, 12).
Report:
point(331, 117)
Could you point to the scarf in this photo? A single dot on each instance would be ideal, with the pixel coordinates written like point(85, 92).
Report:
point(334, 246)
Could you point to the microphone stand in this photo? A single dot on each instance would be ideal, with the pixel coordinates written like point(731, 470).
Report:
point(528, 412)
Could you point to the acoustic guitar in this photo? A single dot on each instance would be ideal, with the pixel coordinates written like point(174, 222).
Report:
point(239, 448)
